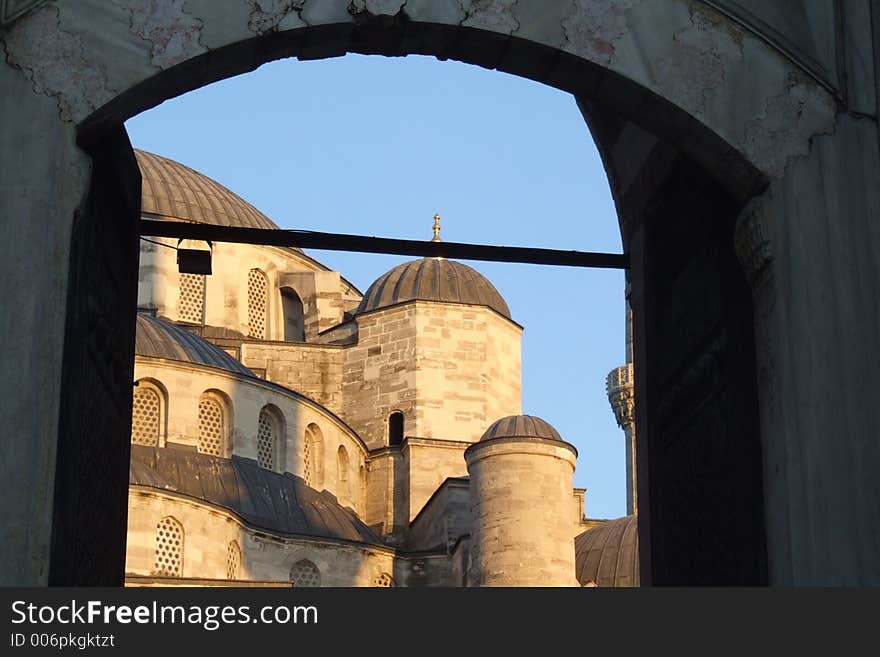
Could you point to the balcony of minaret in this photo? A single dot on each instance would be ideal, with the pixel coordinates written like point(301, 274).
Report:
point(619, 386)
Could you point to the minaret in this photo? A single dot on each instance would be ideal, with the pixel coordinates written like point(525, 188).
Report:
point(620, 389)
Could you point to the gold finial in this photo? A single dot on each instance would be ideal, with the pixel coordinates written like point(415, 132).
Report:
point(436, 237)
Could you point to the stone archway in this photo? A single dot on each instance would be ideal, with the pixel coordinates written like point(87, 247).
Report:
point(696, 107)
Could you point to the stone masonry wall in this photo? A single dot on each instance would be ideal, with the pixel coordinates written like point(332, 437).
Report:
point(324, 294)
point(429, 463)
point(321, 293)
point(311, 370)
point(183, 384)
point(469, 370)
point(444, 519)
point(379, 374)
point(209, 531)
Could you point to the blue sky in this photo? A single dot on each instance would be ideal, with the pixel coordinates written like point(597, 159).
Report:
point(376, 146)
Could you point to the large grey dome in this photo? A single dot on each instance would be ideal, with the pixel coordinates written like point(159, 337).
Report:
point(521, 426)
point(171, 190)
point(156, 338)
point(433, 279)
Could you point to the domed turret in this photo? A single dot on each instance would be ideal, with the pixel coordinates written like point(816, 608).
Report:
point(523, 426)
point(433, 279)
point(438, 352)
point(449, 363)
point(521, 490)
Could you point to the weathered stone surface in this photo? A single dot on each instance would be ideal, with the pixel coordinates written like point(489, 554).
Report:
point(268, 15)
point(593, 27)
point(172, 33)
point(55, 61)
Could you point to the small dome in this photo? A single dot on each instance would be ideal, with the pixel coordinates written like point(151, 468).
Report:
point(174, 191)
point(433, 279)
point(156, 338)
point(521, 426)
point(608, 555)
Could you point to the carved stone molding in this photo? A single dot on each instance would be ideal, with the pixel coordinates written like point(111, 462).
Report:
point(10, 10)
point(752, 244)
point(620, 390)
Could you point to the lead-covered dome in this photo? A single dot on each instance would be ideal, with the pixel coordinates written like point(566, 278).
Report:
point(433, 279)
point(521, 426)
point(171, 190)
point(608, 555)
point(264, 499)
point(157, 338)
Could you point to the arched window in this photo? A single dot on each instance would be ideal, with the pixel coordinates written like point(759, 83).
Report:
point(313, 457)
point(383, 580)
point(294, 317)
point(342, 465)
point(258, 286)
point(213, 425)
point(169, 548)
point(305, 574)
point(191, 302)
point(269, 432)
point(148, 415)
point(233, 560)
point(395, 428)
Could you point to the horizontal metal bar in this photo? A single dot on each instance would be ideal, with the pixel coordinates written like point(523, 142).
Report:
point(339, 242)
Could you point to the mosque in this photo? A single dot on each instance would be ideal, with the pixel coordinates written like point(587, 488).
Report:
point(288, 429)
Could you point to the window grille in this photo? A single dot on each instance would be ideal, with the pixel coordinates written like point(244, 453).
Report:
point(212, 427)
point(169, 547)
point(305, 574)
point(258, 286)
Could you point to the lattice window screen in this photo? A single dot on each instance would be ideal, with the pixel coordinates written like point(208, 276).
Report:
point(145, 416)
point(305, 574)
point(258, 286)
point(192, 298)
point(308, 473)
point(266, 438)
point(383, 580)
point(169, 547)
point(233, 560)
point(211, 427)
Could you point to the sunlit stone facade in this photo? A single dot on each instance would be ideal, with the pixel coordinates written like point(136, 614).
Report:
point(288, 429)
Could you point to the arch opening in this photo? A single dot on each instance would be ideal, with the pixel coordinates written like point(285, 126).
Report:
point(294, 316)
point(395, 428)
point(654, 269)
